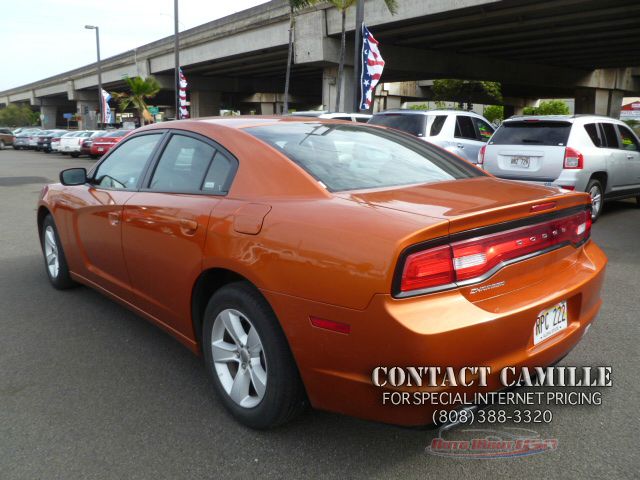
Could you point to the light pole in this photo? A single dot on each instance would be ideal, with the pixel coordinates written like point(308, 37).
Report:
point(176, 80)
point(93, 27)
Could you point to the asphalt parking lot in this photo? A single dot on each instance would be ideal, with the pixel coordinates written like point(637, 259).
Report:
point(89, 390)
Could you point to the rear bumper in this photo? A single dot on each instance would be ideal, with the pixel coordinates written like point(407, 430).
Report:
point(443, 329)
point(576, 180)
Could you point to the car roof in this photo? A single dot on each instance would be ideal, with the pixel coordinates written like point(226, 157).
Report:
point(558, 118)
point(435, 111)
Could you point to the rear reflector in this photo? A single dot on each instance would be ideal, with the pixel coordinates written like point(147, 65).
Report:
point(330, 325)
point(473, 260)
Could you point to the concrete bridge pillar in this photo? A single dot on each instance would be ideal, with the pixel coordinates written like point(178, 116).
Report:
point(599, 101)
point(329, 90)
point(204, 103)
point(48, 115)
point(88, 116)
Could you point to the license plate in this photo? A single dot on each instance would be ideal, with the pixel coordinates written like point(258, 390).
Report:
point(520, 162)
point(100, 149)
point(549, 322)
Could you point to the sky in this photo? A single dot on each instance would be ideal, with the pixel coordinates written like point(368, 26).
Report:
point(41, 38)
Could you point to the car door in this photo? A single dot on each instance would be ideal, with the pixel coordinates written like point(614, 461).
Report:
point(631, 146)
point(616, 159)
point(98, 213)
point(165, 226)
point(466, 138)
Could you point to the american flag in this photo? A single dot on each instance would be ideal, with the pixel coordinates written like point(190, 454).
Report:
point(182, 93)
point(372, 66)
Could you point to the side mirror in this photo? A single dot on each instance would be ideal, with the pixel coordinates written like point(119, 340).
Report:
point(73, 176)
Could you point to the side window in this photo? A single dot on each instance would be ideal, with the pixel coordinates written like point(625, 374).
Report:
point(124, 166)
point(464, 127)
point(362, 119)
point(436, 125)
point(594, 134)
point(219, 174)
point(629, 140)
point(484, 129)
point(182, 166)
point(610, 135)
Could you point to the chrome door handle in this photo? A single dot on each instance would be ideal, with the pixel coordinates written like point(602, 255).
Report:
point(460, 146)
point(629, 156)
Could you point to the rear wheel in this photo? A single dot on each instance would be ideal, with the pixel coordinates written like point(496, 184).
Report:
point(594, 189)
point(248, 358)
point(54, 259)
point(75, 155)
point(2, 145)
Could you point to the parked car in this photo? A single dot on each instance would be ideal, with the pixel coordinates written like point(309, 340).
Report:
point(296, 255)
point(39, 136)
point(45, 140)
point(23, 138)
point(54, 142)
point(6, 137)
point(85, 148)
point(586, 153)
point(461, 133)
point(72, 142)
point(350, 117)
point(104, 143)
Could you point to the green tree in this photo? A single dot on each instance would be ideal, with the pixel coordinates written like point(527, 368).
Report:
point(343, 6)
point(494, 113)
point(294, 5)
point(549, 107)
point(140, 90)
point(18, 116)
point(464, 91)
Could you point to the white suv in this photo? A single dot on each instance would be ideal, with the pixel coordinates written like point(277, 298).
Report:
point(588, 153)
point(457, 131)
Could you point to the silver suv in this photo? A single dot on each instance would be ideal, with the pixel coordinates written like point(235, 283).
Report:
point(586, 153)
point(459, 132)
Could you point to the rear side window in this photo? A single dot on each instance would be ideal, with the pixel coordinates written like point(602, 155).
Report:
point(594, 134)
point(436, 126)
point(219, 174)
point(629, 140)
point(484, 129)
point(464, 127)
point(610, 135)
point(182, 166)
point(410, 123)
point(532, 133)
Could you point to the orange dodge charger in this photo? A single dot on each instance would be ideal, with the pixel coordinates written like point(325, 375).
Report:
point(297, 255)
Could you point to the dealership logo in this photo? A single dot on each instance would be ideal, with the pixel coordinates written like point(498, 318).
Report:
point(487, 444)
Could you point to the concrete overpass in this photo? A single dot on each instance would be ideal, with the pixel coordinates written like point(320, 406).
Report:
point(586, 49)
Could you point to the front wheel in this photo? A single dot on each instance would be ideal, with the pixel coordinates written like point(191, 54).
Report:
point(75, 155)
point(54, 259)
point(2, 145)
point(594, 189)
point(249, 360)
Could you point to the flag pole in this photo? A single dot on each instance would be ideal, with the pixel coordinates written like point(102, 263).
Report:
point(357, 56)
point(176, 48)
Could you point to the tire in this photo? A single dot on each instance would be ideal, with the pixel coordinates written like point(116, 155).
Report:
point(75, 155)
point(2, 145)
point(259, 363)
point(95, 157)
point(57, 272)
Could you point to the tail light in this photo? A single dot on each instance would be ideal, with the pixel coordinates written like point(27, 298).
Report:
point(481, 155)
point(573, 159)
point(473, 260)
point(55, 140)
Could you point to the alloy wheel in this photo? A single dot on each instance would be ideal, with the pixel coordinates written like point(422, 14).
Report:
point(596, 200)
point(51, 252)
point(238, 358)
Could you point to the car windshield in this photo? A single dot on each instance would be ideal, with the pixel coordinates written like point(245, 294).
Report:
point(411, 123)
point(532, 132)
point(353, 157)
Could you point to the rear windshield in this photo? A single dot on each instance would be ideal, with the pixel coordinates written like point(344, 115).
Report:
point(413, 124)
point(532, 133)
point(353, 157)
point(116, 133)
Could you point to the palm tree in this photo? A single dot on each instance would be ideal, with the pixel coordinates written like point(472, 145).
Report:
point(343, 6)
point(140, 89)
point(294, 5)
